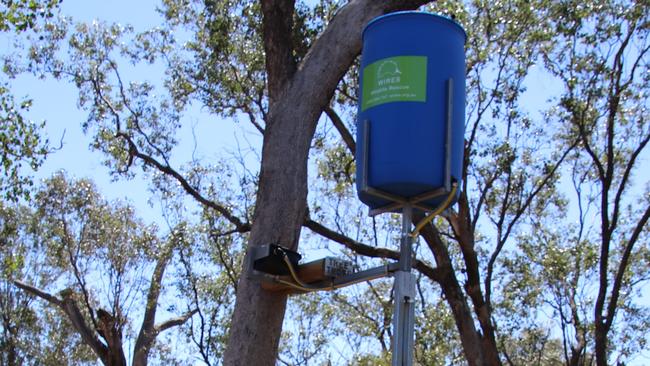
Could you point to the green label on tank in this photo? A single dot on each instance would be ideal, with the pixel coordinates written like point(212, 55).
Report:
point(394, 79)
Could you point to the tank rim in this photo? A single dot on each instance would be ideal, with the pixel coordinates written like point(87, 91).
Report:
point(417, 14)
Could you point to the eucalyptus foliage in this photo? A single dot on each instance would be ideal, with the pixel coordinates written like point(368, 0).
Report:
point(98, 273)
point(21, 145)
point(22, 15)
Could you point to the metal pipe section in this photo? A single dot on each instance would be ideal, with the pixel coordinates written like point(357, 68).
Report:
point(448, 127)
point(363, 276)
point(404, 312)
point(405, 252)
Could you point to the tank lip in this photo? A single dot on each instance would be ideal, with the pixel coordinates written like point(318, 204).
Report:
point(415, 13)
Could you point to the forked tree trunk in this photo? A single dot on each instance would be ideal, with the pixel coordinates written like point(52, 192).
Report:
point(296, 101)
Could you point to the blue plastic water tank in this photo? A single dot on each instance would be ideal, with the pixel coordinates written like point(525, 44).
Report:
point(408, 61)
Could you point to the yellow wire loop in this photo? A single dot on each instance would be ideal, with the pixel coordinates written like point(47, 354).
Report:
point(436, 212)
point(299, 285)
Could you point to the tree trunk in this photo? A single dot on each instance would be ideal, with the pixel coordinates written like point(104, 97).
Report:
point(296, 103)
point(110, 329)
point(469, 337)
point(600, 347)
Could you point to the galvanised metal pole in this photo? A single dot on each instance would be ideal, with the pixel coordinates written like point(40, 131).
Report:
point(404, 312)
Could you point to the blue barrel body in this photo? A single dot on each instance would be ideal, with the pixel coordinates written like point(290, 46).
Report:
point(407, 61)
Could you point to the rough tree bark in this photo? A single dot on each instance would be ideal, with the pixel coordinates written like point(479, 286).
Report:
point(298, 94)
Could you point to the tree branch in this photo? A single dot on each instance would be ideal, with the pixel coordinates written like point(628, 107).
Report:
point(518, 213)
point(343, 131)
point(173, 322)
point(226, 260)
point(38, 293)
point(613, 108)
point(72, 257)
point(70, 308)
point(166, 169)
point(367, 250)
point(469, 337)
point(148, 332)
point(355, 246)
point(620, 273)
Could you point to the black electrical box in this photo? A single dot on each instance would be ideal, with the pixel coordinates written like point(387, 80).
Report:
point(269, 259)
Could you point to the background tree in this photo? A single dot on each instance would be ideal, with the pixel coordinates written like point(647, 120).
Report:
point(602, 61)
point(21, 146)
point(20, 324)
point(31, 333)
point(98, 254)
point(22, 15)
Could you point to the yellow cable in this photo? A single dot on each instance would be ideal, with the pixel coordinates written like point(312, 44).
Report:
point(296, 286)
point(294, 275)
point(308, 288)
point(436, 212)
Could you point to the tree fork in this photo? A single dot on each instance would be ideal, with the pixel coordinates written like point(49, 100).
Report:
point(296, 103)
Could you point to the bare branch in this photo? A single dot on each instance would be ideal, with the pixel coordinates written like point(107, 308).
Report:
point(343, 92)
point(614, 102)
point(203, 345)
point(604, 321)
point(148, 332)
point(453, 292)
point(622, 267)
point(70, 308)
point(225, 259)
point(70, 243)
point(626, 176)
point(38, 292)
point(136, 116)
point(483, 197)
point(166, 169)
point(519, 212)
point(173, 322)
point(367, 250)
point(343, 131)
point(350, 243)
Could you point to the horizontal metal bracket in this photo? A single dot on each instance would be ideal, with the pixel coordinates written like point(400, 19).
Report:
point(275, 283)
